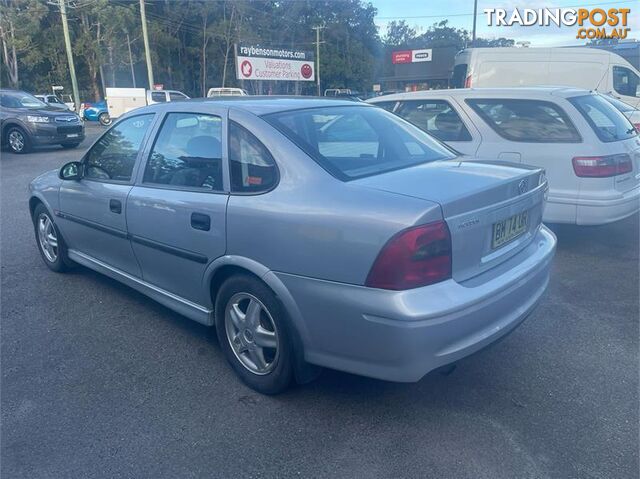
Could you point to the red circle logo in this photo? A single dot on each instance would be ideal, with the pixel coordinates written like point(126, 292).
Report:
point(246, 68)
point(306, 71)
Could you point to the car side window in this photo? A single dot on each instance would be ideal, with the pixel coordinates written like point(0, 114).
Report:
point(158, 96)
point(625, 82)
point(253, 169)
point(187, 152)
point(112, 158)
point(176, 96)
point(532, 121)
point(435, 117)
point(387, 105)
point(9, 101)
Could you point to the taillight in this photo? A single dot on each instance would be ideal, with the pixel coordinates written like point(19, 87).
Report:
point(637, 127)
point(414, 257)
point(467, 82)
point(602, 166)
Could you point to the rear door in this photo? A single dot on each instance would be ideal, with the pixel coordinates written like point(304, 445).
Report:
point(176, 211)
point(532, 132)
point(440, 118)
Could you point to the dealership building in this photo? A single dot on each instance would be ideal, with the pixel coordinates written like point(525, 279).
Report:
point(420, 69)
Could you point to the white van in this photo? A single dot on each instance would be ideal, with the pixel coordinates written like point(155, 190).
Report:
point(122, 100)
point(588, 68)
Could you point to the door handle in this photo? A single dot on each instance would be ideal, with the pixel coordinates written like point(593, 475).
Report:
point(200, 221)
point(115, 206)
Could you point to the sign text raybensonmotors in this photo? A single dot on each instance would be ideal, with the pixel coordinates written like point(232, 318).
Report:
point(263, 63)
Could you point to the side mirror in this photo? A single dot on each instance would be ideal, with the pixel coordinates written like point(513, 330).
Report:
point(71, 171)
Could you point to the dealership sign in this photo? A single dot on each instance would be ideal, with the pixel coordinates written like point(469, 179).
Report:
point(411, 56)
point(261, 63)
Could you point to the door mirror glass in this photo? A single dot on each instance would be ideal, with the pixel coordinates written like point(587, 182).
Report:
point(71, 171)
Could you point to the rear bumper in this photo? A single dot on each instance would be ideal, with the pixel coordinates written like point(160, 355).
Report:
point(592, 210)
point(402, 335)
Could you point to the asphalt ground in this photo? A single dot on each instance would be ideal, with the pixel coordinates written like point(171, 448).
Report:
point(99, 381)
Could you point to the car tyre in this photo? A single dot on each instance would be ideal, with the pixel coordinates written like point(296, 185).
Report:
point(104, 119)
point(18, 140)
point(69, 145)
point(50, 243)
point(253, 332)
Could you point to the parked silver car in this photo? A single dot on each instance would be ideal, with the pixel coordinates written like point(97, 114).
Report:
point(311, 232)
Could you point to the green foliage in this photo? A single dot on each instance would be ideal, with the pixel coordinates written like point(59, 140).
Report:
point(192, 42)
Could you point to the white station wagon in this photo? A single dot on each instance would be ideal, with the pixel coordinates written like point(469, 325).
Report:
point(590, 151)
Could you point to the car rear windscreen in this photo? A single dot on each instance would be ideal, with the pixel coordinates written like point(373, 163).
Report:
point(355, 141)
point(607, 121)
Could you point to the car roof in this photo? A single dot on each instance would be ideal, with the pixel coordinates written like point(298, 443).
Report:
point(524, 92)
point(258, 105)
point(11, 90)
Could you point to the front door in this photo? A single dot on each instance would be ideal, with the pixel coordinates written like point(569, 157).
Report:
point(92, 214)
point(176, 211)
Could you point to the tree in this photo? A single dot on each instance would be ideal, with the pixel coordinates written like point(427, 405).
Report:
point(399, 34)
point(19, 22)
point(191, 42)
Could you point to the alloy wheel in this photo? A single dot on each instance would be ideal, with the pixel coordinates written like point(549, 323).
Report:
point(16, 141)
point(252, 333)
point(47, 238)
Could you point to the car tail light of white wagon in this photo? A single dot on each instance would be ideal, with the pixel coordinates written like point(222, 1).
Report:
point(602, 166)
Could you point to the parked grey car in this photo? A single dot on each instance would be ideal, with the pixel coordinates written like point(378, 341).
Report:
point(310, 232)
point(26, 121)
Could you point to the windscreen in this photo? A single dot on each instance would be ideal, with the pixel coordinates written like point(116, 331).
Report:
point(608, 123)
point(459, 75)
point(21, 99)
point(356, 141)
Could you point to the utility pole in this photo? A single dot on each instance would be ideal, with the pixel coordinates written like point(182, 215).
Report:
point(147, 51)
point(133, 73)
point(67, 44)
point(475, 18)
point(317, 29)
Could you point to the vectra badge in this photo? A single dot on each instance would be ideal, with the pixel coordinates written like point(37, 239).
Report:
point(522, 187)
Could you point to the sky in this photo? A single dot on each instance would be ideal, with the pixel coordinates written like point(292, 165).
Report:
point(420, 14)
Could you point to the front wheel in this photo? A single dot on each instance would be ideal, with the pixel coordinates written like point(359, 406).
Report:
point(50, 243)
point(104, 119)
point(252, 330)
point(19, 142)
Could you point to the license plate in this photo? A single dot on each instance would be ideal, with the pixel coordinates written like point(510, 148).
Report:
point(72, 135)
point(508, 229)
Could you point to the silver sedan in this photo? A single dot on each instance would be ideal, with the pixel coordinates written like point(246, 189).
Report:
point(310, 232)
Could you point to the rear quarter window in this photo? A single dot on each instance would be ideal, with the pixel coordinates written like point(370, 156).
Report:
point(529, 121)
point(607, 122)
